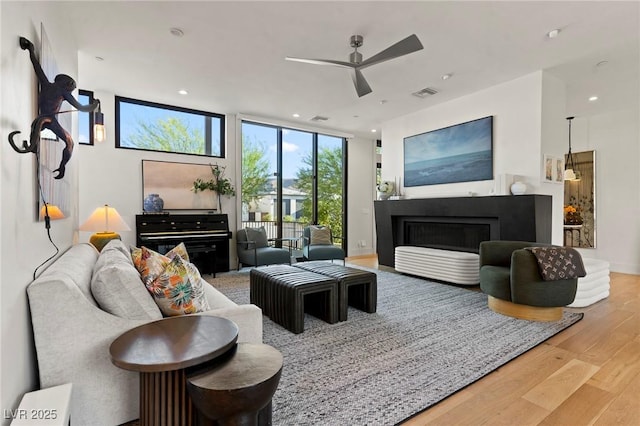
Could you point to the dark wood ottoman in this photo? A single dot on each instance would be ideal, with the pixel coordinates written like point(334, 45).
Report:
point(356, 287)
point(287, 293)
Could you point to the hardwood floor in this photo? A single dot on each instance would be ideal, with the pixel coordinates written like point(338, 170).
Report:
point(588, 374)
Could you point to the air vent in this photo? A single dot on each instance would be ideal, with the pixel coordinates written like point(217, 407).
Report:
point(319, 118)
point(428, 91)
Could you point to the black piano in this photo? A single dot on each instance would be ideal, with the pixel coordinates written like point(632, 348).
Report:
point(206, 237)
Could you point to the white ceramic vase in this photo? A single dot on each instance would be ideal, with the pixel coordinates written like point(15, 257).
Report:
point(518, 188)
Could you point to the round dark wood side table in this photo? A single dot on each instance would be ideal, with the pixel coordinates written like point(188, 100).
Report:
point(238, 390)
point(161, 351)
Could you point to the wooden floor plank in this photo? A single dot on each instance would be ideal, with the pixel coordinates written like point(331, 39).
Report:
point(581, 342)
point(559, 386)
point(582, 407)
point(605, 347)
point(429, 416)
point(620, 370)
point(521, 412)
point(625, 409)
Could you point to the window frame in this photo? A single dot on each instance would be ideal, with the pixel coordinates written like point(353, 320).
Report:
point(315, 145)
point(208, 132)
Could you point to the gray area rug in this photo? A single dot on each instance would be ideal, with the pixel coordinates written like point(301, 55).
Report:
point(426, 341)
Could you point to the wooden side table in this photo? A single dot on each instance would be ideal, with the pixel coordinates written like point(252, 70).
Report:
point(161, 351)
point(569, 230)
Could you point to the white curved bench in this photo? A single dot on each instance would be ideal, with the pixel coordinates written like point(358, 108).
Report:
point(446, 265)
point(594, 286)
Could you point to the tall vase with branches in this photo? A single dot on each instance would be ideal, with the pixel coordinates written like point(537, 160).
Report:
point(218, 184)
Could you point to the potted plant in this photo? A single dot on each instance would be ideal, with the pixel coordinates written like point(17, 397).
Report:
point(218, 183)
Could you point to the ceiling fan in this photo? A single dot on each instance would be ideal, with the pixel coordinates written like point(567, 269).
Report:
point(403, 47)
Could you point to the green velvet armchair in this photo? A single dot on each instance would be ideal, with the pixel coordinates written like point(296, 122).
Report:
point(510, 275)
point(317, 244)
point(254, 249)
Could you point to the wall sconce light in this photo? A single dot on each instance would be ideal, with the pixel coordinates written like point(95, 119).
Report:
point(569, 173)
point(50, 96)
point(105, 220)
point(99, 132)
point(52, 211)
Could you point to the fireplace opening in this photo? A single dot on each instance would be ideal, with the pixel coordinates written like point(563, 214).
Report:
point(463, 235)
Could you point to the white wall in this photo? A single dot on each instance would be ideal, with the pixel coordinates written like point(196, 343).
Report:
point(554, 142)
point(361, 175)
point(529, 122)
point(615, 137)
point(515, 106)
point(24, 240)
point(114, 176)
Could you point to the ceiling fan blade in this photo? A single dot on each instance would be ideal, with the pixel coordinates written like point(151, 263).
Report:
point(362, 87)
point(403, 47)
point(322, 62)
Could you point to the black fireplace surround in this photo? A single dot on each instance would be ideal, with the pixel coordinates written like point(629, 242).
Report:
point(460, 223)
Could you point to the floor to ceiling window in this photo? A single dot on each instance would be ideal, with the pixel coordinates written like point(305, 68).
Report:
point(292, 178)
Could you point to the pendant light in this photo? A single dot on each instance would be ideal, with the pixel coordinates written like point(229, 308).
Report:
point(99, 132)
point(569, 173)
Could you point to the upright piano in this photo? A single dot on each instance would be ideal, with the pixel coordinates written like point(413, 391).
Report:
point(206, 237)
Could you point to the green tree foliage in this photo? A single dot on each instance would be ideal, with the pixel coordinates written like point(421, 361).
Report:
point(171, 134)
point(255, 170)
point(330, 181)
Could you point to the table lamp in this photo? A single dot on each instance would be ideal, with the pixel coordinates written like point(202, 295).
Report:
point(105, 220)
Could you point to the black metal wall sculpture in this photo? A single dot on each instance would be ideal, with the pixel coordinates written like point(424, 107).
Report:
point(50, 98)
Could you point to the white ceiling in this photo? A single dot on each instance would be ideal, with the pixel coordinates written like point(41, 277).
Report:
point(231, 57)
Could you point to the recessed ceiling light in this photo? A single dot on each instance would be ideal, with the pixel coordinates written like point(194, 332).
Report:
point(296, 115)
point(593, 98)
point(447, 76)
point(553, 33)
point(183, 92)
point(176, 32)
point(373, 130)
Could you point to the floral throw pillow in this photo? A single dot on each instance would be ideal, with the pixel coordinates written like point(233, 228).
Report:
point(174, 282)
point(178, 289)
point(151, 263)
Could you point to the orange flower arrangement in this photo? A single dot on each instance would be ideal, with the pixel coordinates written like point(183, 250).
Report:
point(572, 215)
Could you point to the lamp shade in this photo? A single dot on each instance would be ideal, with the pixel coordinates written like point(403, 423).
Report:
point(105, 219)
point(569, 174)
point(99, 132)
point(52, 211)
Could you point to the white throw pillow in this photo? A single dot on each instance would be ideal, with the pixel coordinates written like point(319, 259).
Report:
point(320, 236)
point(117, 288)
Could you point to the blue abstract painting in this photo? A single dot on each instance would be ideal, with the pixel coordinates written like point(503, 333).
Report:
point(460, 153)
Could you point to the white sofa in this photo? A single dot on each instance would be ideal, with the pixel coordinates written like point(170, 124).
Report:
point(80, 304)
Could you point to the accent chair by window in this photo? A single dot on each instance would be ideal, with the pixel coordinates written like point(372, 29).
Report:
point(318, 244)
point(254, 249)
